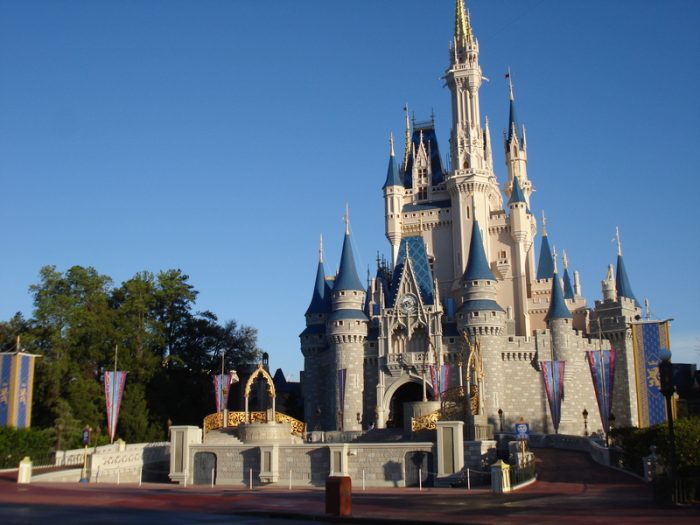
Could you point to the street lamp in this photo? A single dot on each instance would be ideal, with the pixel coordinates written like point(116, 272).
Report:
point(585, 422)
point(500, 418)
point(666, 380)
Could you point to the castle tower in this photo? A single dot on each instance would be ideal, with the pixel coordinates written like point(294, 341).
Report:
point(521, 232)
point(516, 150)
point(314, 348)
point(472, 183)
point(346, 329)
point(393, 201)
point(610, 319)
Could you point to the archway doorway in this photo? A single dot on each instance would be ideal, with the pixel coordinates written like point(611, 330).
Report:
point(406, 393)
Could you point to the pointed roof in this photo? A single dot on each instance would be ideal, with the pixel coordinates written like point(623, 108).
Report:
point(545, 266)
point(477, 265)
point(622, 282)
point(516, 192)
point(319, 298)
point(557, 305)
point(347, 278)
point(568, 289)
point(513, 127)
point(392, 175)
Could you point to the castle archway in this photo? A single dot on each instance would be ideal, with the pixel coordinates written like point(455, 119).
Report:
point(407, 391)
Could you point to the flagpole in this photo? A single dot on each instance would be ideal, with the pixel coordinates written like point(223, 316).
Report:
point(604, 390)
point(114, 388)
point(221, 382)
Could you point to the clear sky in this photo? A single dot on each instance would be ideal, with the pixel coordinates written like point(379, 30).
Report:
point(222, 137)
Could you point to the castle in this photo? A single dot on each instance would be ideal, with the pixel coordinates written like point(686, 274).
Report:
point(464, 302)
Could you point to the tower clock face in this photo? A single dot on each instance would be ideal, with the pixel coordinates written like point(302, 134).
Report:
point(408, 304)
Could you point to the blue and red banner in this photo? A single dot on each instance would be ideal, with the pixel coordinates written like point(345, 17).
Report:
point(602, 365)
point(434, 382)
point(222, 388)
point(114, 390)
point(444, 378)
point(553, 375)
point(651, 340)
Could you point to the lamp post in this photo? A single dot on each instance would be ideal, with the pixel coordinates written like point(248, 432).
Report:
point(666, 380)
point(500, 418)
point(585, 422)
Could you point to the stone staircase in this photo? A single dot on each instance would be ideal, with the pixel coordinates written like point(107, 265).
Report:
point(222, 436)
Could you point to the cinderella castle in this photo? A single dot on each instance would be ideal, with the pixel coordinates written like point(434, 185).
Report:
point(466, 303)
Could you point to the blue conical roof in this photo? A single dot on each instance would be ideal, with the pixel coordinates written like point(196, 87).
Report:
point(557, 305)
point(318, 299)
point(545, 266)
point(622, 282)
point(477, 265)
point(516, 192)
point(392, 174)
point(513, 127)
point(568, 289)
point(347, 278)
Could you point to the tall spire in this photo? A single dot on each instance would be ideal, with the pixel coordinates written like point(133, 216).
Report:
point(568, 289)
point(463, 29)
point(319, 304)
point(545, 266)
point(557, 305)
point(513, 128)
point(347, 278)
point(622, 282)
point(407, 141)
point(392, 175)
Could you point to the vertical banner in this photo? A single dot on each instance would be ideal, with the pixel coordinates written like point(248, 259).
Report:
point(222, 389)
point(16, 387)
point(553, 375)
point(650, 339)
point(5, 391)
point(444, 379)
point(114, 390)
point(434, 383)
point(342, 378)
point(602, 365)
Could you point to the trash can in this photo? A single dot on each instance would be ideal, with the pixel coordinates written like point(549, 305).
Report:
point(339, 496)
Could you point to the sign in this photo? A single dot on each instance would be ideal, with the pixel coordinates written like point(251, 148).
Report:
point(521, 431)
point(86, 437)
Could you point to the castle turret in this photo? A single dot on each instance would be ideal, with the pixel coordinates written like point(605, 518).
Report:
point(608, 285)
point(568, 289)
point(622, 282)
point(393, 201)
point(516, 150)
point(480, 314)
point(520, 230)
point(313, 346)
point(346, 330)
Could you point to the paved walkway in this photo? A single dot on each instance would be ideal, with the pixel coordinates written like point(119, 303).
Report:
point(572, 489)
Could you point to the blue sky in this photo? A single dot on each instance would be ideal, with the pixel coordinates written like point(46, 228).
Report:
point(222, 137)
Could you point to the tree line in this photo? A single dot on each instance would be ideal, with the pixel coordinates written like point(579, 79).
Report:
point(169, 350)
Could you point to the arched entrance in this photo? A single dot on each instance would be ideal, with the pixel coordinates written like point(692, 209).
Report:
point(406, 393)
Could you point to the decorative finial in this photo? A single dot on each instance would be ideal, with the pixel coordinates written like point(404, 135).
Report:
point(346, 219)
point(407, 145)
point(510, 85)
point(554, 258)
point(544, 224)
point(320, 250)
point(564, 259)
point(463, 30)
point(647, 310)
point(617, 238)
point(391, 143)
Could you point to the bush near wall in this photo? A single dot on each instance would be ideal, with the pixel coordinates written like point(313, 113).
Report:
point(635, 443)
point(15, 444)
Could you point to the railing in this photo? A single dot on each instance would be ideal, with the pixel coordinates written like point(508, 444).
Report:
point(523, 473)
point(426, 422)
point(216, 420)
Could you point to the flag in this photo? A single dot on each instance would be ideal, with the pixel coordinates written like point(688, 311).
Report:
point(649, 340)
point(553, 375)
point(433, 383)
point(602, 365)
point(222, 388)
point(16, 387)
point(444, 378)
point(114, 390)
